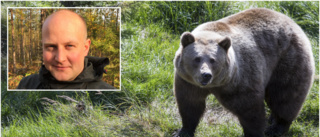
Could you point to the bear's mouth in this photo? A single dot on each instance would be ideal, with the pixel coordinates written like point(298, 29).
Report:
point(204, 83)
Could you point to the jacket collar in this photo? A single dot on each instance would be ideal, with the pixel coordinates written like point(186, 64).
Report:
point(92, 71)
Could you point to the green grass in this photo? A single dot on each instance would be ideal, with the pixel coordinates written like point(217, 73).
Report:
point(146, 105)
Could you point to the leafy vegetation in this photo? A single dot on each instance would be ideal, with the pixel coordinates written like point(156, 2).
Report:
point(146, 105)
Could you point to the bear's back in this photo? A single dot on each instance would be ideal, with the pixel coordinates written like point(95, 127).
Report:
point(257, 19)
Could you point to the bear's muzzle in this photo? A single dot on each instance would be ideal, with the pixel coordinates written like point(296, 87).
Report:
point(206, 77)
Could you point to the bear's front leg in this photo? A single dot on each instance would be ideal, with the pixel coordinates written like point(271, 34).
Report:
point(191, 104)
point(250, 110)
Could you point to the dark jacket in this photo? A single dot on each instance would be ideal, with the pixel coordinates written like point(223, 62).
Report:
point(89, 78)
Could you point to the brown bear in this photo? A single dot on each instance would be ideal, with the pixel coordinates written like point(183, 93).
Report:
point(244, 59)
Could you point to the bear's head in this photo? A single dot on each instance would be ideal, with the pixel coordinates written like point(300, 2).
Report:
point(203, 58)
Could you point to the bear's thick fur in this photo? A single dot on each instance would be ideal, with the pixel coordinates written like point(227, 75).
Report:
point(244, 59)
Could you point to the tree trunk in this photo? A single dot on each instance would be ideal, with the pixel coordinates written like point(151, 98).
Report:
point(13, 46)
point(30, 35)
point(117, 19)
point(42, 18)
point(21, 40)
point(26, 52)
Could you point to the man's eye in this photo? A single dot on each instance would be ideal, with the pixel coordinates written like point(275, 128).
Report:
point(70, 46)
point(50, 47)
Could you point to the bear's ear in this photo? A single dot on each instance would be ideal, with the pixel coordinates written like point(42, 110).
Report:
point(225, 43)
point(186, 39)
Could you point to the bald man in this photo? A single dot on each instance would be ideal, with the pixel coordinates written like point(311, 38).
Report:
point(65, 63)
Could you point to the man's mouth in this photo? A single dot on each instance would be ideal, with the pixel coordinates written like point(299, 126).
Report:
point(61, 67)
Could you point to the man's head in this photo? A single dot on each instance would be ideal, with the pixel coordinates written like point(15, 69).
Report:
point(65, 44)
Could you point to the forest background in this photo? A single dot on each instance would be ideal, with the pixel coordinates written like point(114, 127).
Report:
point(145, 106)
point(25, 48)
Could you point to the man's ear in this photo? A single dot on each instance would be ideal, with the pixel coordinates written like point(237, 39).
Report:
point(87, 46)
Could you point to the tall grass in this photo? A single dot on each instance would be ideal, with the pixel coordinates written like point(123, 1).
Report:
point(185, 16)
point(146, 105)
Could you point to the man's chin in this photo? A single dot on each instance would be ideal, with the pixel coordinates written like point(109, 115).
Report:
point(62, 78)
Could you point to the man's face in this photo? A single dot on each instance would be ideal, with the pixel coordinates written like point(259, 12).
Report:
point(64, 47)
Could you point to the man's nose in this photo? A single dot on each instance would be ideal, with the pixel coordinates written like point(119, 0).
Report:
point(60, 55)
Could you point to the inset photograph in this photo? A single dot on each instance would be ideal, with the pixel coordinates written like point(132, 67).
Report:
point(64, 49)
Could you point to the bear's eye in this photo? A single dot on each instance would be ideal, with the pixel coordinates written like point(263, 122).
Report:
point(212, 61)
point(197, 59)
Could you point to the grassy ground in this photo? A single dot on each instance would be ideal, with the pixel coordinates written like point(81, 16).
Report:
point(146, 104)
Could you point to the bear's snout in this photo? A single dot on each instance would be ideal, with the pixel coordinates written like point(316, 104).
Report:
point(206, 77)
